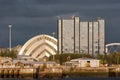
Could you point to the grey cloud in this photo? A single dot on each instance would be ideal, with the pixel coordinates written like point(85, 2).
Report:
point(33, 17)
point(43, 8)
point(37, 8)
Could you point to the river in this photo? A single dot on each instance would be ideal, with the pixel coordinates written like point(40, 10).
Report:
point(78, 78)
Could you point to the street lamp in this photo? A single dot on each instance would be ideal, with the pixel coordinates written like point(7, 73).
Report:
point(53, 34)
point(10, 26)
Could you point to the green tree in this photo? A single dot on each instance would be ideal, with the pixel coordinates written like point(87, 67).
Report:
point(7, 53)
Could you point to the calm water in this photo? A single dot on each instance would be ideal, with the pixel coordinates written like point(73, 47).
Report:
point(81, 78)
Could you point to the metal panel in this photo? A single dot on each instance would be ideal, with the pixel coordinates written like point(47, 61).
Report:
point(68, 36)
point(101, 36)
point(77, 34)
point(84, 37)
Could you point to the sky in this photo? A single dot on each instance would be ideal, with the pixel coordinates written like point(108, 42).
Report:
point(34, 17)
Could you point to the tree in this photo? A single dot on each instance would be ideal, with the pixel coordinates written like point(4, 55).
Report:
point(7, 53)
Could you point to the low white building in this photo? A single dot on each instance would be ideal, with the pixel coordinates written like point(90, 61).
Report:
point(47, 64)
point(83, 62)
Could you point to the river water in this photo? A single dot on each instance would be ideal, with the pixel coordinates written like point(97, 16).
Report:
point(81, 78)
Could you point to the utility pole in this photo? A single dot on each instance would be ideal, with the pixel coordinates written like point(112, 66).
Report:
point(10, 26)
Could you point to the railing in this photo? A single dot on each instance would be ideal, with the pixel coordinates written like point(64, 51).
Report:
point(9, 66)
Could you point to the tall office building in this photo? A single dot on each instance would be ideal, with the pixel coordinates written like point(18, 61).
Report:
point(76, 36)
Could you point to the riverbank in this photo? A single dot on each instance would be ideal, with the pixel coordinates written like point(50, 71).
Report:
point(79, 74)
point(83, 72)
point(50, 73)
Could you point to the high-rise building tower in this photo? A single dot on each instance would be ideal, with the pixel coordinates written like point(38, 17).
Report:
point(75, 36)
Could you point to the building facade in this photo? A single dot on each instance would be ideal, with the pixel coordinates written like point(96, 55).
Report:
point(76, 36)
point(83, 62)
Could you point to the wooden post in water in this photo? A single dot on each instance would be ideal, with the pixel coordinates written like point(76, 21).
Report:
point(2, 73)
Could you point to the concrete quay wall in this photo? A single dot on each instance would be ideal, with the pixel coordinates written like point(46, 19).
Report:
point(17, 72)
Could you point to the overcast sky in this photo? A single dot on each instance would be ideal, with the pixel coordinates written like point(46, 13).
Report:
point(33, 17)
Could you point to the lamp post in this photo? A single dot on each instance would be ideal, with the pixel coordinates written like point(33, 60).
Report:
point(10, 26)
point(53, 34)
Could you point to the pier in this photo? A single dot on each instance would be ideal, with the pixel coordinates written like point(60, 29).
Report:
point(17, 72)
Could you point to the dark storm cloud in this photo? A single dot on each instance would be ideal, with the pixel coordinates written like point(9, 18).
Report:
point(33, 17)
point(41, 8)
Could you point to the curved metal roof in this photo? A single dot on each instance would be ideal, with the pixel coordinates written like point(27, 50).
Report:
point(111, 44)
point(40, 46)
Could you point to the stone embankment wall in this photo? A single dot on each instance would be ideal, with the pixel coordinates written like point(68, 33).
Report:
point(17, 72)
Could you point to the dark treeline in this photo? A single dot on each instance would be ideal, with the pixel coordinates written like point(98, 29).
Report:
point(7, 53)
point(113, 58)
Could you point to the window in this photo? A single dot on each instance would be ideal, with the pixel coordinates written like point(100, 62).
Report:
point(76, 51)
point(96, 46)
point(96, 41)
point(66, 49)
point(72, 37)
point(96, 52)
point(88, 61)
